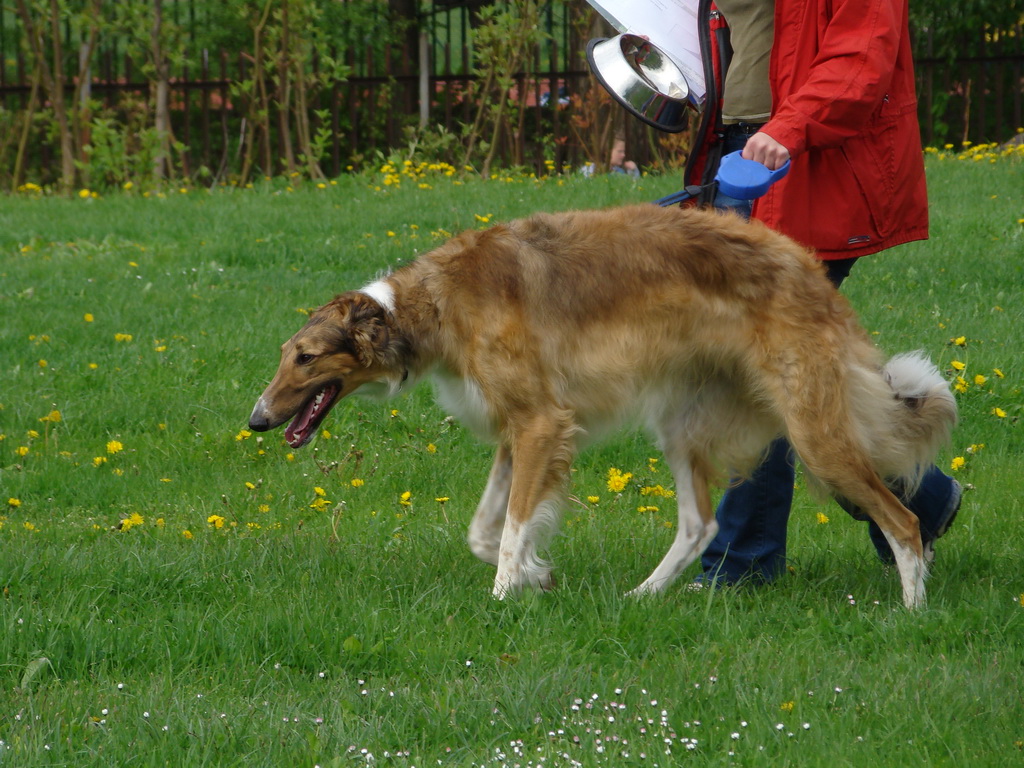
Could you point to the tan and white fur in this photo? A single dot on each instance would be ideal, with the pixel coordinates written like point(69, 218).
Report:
point(549, 332)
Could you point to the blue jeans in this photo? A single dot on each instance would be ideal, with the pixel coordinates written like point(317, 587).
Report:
point(753, 515)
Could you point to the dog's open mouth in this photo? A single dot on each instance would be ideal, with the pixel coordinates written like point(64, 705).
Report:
point(313, 411)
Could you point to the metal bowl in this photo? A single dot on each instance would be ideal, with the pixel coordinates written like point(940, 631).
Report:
point(642, 79)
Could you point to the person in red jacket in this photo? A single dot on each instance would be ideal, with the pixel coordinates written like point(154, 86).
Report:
point(843, 111)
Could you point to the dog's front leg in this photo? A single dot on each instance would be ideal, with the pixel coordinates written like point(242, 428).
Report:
point(485, 530)
point(541, 456)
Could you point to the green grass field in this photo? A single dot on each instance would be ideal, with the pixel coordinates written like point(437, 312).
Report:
point(180, 592)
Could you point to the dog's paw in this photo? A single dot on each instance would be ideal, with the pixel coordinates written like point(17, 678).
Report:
point(484, 549)
point(506, 586)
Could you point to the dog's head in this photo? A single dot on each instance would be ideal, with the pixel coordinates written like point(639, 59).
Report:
point(348, 343)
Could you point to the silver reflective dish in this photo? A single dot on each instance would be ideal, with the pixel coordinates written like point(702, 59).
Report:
point(642, 79)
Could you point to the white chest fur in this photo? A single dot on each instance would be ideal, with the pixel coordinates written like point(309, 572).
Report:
point(464, 400)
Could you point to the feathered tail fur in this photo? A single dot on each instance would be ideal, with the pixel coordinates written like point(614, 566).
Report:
point(904, 425)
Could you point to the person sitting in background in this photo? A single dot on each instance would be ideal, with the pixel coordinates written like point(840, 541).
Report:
point(618, 163)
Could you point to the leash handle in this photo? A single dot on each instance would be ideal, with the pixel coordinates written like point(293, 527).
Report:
point(746, 179)
point(736, 177)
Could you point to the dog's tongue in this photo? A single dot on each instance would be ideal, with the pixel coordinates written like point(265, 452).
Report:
point(297, 433)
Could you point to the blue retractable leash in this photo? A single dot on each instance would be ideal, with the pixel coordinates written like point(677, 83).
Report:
point(736, 177)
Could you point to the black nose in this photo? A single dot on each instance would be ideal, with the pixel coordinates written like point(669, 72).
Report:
point(259, 424)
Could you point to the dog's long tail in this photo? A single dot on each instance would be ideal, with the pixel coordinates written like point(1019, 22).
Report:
point(911, 421)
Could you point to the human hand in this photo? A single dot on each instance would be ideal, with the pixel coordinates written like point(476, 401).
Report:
point(763, 149)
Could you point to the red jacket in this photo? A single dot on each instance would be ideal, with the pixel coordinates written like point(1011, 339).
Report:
point(844, 104)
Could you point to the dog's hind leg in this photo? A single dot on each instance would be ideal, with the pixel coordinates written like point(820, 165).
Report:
point(541, 455)
point(835, 461)
point(902, 530)
point(485, 530)
point(696, 525)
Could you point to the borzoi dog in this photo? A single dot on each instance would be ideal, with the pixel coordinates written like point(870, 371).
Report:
point(547, 332)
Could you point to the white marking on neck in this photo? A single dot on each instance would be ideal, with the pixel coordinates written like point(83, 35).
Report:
point(381, 292)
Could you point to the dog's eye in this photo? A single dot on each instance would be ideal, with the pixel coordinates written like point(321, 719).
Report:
point(305, 358)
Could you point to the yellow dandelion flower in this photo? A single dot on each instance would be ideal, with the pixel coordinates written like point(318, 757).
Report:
point(250, 486)
point(787, 706)
point(122, 337)
point(216, 521)
point(13, 503)
point(658, 490)
point(320, 504)
point(264, 508)
point(131, 521)
point(980, 380)
point(319, 491)
point(406, 499)
point(441, 499)
point(960, 384)
point(617, 480)
point(114, 446)
point(593, 499)
point(84, 194)
point(431, 448)
point(999, 412)
point(960, 341)
point(29, 526)
point(355, 482)
point(99, 460)
point(187, 534)
point(88, 317)
point(957, 365)
point(43, 364)
point(822, 518)
point(999, 374)
point(53, 417)
point(21, 450)
point(957, 463)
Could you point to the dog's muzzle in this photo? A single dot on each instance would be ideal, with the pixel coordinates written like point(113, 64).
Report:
point(258, 420)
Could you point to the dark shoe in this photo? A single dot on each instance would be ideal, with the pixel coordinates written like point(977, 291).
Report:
point(928, 538)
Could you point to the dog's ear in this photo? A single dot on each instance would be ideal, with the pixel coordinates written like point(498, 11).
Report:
point(368, 328)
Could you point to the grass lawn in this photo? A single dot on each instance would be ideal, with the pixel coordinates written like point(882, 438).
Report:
point(177, 591)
